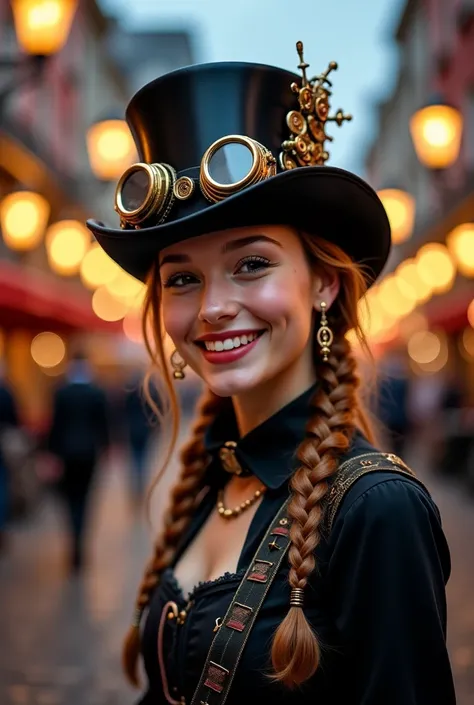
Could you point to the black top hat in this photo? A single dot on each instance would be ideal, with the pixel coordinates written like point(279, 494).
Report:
point(271, 170)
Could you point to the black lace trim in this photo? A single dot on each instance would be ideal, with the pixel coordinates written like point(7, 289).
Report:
point(204, 584)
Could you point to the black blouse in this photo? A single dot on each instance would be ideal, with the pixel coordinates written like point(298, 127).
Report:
point(376, 601)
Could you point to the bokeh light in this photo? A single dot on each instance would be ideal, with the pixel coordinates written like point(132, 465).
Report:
point(424, 347)
point(23, 217)
point(460, 243)
point(106, 306)
point(97, 268)
point(111, 149)
point(400, 208)
point(48, 349)
point(436, 132)
point(66, 244)
point(470, 313)
point(436, 267)
point(42, 26)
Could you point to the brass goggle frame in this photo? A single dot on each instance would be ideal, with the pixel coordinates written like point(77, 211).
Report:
point(163, 186)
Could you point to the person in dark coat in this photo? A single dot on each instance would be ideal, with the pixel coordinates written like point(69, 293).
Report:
point(297, 562)
point(140, 423)
point(78, 436)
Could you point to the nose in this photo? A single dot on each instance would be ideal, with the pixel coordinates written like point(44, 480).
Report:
point(217, 304)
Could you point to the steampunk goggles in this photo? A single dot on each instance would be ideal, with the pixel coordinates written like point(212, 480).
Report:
point(146, 192)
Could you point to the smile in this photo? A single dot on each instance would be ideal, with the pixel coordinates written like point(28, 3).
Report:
point(225, 350)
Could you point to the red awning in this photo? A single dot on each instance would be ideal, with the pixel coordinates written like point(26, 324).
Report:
point(30, 298)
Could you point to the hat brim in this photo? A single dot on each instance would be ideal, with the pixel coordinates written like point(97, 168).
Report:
point(329, 202)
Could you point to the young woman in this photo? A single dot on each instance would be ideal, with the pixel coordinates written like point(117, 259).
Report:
point(297, 562)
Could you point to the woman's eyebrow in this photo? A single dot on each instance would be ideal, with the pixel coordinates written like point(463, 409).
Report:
point(228, 247)
point(243, 241)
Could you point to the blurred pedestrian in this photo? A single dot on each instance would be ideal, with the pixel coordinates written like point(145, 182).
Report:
point(8, 420)
point(140, 422)
point(78, 436)
point(392, 402)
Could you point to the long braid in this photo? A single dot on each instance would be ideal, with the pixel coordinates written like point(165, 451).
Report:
point(295, 651)
point(183, 501)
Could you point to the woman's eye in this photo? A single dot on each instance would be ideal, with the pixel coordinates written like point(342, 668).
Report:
point(249, 265)
point(179, 280)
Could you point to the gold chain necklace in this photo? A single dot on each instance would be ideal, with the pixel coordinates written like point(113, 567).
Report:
point(233, 513)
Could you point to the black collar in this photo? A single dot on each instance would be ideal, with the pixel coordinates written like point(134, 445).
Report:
point(268, 451)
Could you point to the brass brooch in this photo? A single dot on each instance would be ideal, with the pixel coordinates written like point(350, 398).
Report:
point(229, 459)
point(305, 145)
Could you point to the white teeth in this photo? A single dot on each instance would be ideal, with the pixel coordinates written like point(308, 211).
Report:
point(229, 343)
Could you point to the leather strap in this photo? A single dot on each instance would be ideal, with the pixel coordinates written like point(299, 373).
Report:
point(228, 644)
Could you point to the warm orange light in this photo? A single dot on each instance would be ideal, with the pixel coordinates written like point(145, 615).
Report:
point(470, 313)
point(48, 349)
point(124, 286)
point(66, 244)
point(106, 306)
point(408, 272)
point(42, 26)
point(23, 217)
point(424, 347)
point(435, 267)
point(397, 297)
point(132, 327)
point(466, 344)
point(460, 243)
point(97, 268)
point(111, 149)
point(400, 208)
point(436, 133)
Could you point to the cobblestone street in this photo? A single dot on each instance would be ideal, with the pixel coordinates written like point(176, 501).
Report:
point(62, 635)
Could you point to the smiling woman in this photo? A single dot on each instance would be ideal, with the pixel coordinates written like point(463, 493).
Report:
point(297, 562)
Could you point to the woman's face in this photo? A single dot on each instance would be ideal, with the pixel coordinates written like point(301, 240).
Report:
point(239, 305)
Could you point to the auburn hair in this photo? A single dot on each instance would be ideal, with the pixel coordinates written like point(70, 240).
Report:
point(336, 411)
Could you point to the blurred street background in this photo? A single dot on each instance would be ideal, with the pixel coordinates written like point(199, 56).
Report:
point(78, 443)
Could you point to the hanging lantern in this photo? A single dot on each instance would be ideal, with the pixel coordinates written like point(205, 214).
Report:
point(66, 244)
point(400, 208)
point(436, 132)
point(23, 218)
point(111, 149)
point(460, 242)
point(42, 26)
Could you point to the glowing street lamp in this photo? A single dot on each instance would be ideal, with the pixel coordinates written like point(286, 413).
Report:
point(436, 132)
point(400, 208)
point(111, 149)
point(42, 26)
point(23, 218)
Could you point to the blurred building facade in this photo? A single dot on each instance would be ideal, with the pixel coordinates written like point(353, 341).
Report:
point(436, 64)
point(43, 134)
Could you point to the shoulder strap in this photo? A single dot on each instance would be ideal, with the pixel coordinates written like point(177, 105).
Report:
point(353, 469)
point(228, 644)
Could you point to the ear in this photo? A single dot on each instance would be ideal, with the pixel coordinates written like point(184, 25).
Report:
point(326, 288)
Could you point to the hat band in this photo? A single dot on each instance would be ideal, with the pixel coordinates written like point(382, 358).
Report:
point(147, 192)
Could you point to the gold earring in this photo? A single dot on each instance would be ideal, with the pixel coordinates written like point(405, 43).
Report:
point(325, 335)
point(178, 365)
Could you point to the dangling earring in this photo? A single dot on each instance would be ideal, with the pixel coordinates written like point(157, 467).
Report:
point(178, 365)
point(325, 335)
